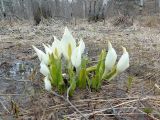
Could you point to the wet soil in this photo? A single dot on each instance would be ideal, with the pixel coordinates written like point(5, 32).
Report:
point(22, 93)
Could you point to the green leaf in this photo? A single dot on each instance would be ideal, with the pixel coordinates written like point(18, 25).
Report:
point(129, 82)
point(90, 69)
point(82, 79)
point(15, 108)
point(72, 87)
point(60, 81)
point(148, 110)
point(52, 69)
point(97, 80)
point(72, 79)
point(84, 62)
point(56, 73)
point(94, 83)
point(89, 81)
point(111, 74)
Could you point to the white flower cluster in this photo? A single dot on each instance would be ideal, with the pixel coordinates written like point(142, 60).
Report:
point(111, 58)
point(67, 47)
point(72, 52)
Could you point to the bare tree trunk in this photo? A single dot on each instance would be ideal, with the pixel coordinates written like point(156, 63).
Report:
point(89, 14)
point(17, 8)
point(141, 3)
point(94, 9)
point(36, 11)
point(71, 4)
point(22, 9)
point(57, 4)
point(29, 9)
point(105, 2)
point(105, 5)
point(64, 7)
point(84, 9)
point(3, 9)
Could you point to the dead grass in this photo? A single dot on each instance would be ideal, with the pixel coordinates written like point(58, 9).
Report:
point(149, 21)
point(113, 101)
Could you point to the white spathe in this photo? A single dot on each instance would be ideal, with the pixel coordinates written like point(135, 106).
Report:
point(76, 57)
point(44, 69)
point(82, 46)
point(68, 44)
point(41, 55)
point(77, 53)
point(123, 62)
point(47, 84)
point(47, 49)
point(110, 58)
point(56, 48)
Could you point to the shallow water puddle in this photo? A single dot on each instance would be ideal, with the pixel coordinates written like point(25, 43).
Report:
point(14, 82)
point(14, 75)
point(21, 69)
point(16, 70)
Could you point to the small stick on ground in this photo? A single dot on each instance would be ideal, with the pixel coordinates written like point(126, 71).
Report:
point(5, 108)
point(157, 86)
point(68, 101)
point(102, 110)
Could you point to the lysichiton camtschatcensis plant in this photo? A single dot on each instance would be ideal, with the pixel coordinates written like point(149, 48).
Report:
point(72, 71)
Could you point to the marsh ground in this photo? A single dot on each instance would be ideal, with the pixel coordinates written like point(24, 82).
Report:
point(21, 86)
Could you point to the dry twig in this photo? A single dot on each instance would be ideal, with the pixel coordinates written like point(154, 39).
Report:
point(123, 103)
point(5, 108)
point(68, 101)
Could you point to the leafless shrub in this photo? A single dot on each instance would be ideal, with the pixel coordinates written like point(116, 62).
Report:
point(122, 21)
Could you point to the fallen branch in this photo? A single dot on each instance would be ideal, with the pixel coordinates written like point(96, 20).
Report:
point(5, 108)
point(68, 101)
point(103, 110)
point(157, 86)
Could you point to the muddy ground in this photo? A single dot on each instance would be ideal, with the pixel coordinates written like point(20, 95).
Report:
point(22, 94)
